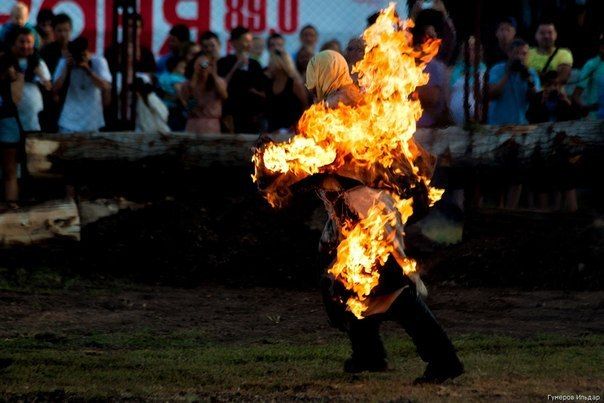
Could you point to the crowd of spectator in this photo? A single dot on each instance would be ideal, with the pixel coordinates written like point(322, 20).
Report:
point(51, 82)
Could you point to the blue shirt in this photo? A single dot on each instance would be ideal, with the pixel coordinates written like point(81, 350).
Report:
point(511, 106)
point(167, 82)
point(163, 61)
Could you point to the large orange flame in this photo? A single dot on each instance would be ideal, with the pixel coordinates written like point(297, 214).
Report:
point(375, 134)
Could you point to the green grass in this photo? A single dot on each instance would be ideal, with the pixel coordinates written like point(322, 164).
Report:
point(186, 365)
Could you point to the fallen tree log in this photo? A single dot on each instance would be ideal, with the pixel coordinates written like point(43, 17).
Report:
point(56, 220)
point(48, 154)
point(522, 145)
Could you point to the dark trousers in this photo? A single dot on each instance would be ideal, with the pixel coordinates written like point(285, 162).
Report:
point(411, 312)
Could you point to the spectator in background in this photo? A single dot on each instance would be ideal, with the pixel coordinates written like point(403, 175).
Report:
point(334, 45)
point(355, 51)
point(54, 51)
point(257, 52)
point(435, 14)
point(151, 112)
point(558, 174)
point(44, 26)
point(546, 56)
point(589, 92)
point(580, 27)
point(246, 85)
point(51, 54)
point(202, 96)
point(145, 60)
point(11, 89)
point(36, 74)
point(19, 15)
point(277, 42)
point(434, 95)
point(505, 34)
point(170, 82)
point(86, 77)
point(191, 51)
point(551, 103)
point(458, 83)
point(210, 45)
point(511, 84)
point(302, 58)
point(179, 37)
point(274, 42)
point(286, 95)
point(309, 37)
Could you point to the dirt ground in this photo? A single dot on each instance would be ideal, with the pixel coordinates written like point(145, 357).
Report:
point(254, 315)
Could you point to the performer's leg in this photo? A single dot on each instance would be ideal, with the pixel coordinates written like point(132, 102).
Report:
point(433, 344)
point(368, 353)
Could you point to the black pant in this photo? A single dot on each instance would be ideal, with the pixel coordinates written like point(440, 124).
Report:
point(411, 312)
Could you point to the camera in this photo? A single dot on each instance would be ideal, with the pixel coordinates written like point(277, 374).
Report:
point(517, 67)
point(278, 53)
point(204, 64)
point(78, 48)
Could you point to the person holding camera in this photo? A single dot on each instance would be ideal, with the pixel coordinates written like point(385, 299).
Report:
point(244, 109)
point(511, 85)
point(203, 95)
point(551, 104)
point(555, 176)
point(286, 95)
point(86, 77)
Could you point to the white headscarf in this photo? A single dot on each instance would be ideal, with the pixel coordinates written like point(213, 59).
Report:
point(327, 71)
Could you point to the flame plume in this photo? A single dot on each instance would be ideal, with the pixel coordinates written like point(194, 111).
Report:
point(374, 137)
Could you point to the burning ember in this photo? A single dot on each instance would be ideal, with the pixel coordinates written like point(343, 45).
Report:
point(371, 142)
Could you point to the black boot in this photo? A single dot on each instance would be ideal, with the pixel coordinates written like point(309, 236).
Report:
point(438, 372)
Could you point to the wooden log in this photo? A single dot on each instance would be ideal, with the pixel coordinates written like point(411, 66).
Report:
point(48, 153)
point(498, 145)
point(57, 219)
point(487, 146)
point(93, 210)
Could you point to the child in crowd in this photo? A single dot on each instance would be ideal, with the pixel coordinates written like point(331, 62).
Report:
point(171, 82)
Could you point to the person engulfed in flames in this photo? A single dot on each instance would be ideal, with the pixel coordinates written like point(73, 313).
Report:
point(355, 148)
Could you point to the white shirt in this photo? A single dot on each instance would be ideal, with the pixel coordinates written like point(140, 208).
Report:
point(83, 108)
point(31, 103)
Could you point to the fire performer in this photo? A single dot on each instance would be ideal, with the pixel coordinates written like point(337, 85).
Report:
point(356, 149)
